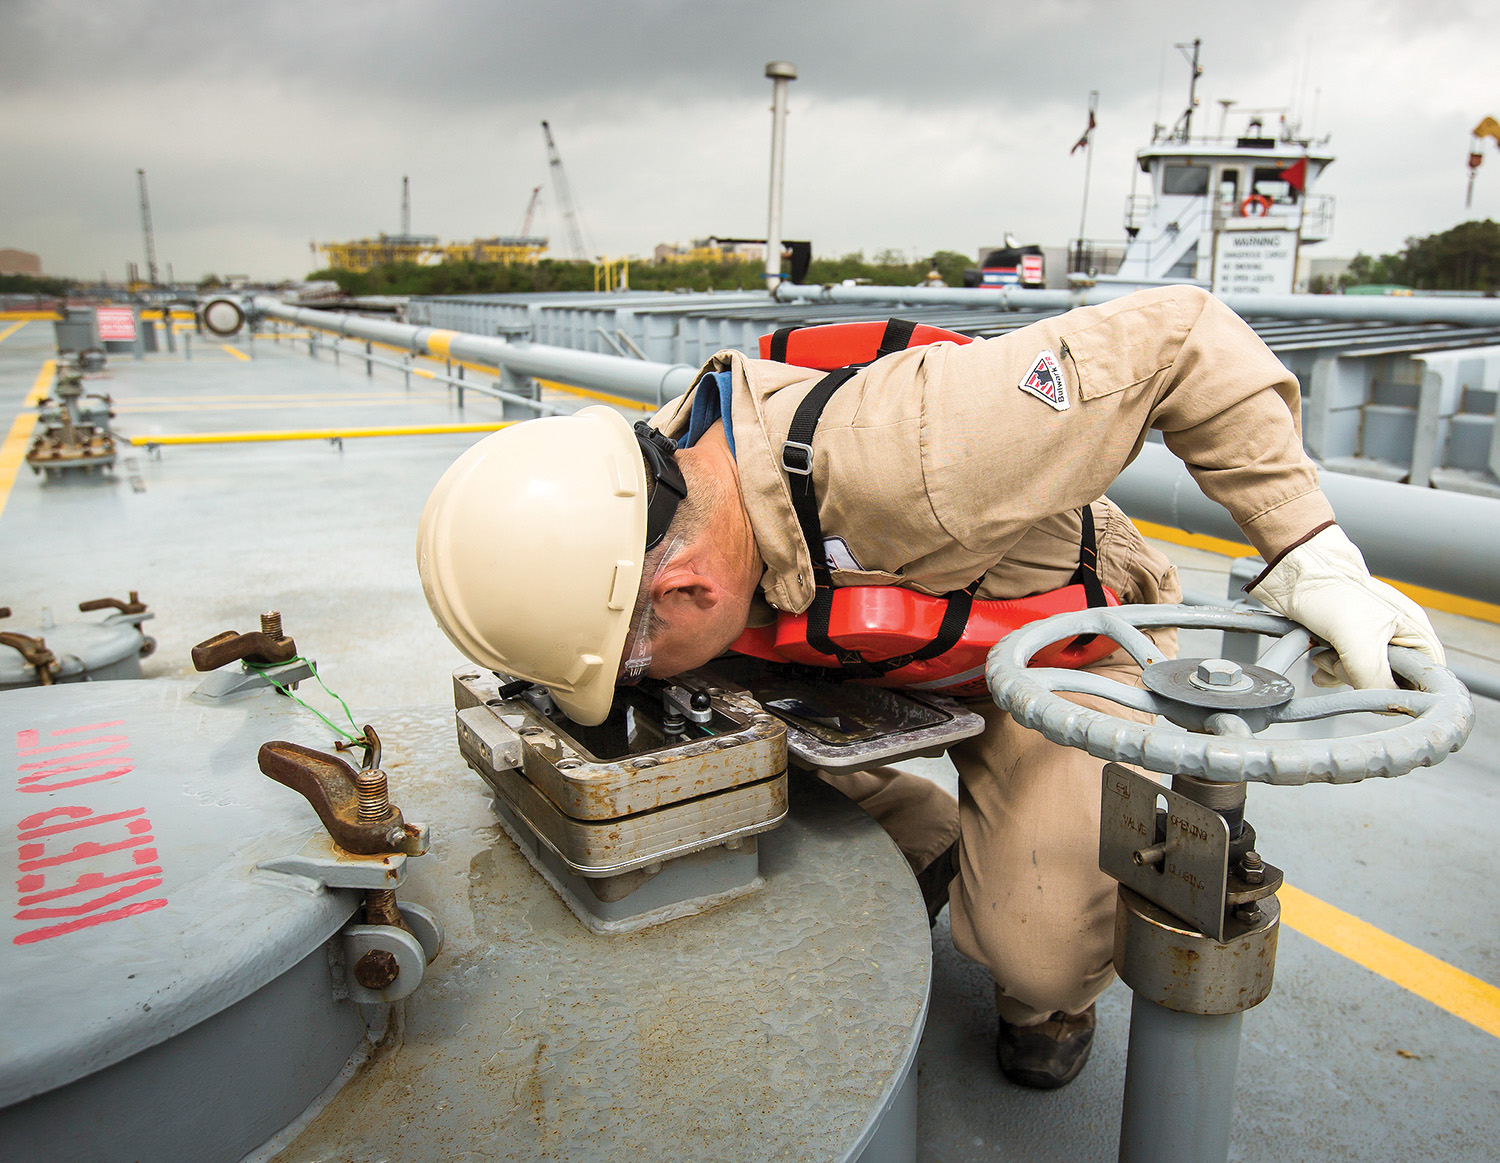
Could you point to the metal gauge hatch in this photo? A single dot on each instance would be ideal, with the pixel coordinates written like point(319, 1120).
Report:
point(165, 999)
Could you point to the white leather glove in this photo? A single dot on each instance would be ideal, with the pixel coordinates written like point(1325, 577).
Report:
point(1324, 585)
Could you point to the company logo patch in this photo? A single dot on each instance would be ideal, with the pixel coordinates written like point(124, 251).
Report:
point(1045, 382)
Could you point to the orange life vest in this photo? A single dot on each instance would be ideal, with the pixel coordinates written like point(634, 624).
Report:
point(886, 635)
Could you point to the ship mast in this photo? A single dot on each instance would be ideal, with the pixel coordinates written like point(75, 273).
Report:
point(1182, 131)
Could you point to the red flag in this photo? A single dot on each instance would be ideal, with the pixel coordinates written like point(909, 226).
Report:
point(1296, 175)
point(1084, 140)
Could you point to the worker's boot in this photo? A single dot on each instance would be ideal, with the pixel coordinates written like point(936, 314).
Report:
point(934, 881)
point(1047, 1056)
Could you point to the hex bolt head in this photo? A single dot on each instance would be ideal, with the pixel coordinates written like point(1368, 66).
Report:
point(377, 969)
point(1252, 868)
point(1218, 672)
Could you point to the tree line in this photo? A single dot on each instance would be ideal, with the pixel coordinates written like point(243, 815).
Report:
point(1465, 258)
point(467, 278)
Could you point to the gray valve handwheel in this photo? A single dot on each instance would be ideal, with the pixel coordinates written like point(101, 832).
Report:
point(1220, 706)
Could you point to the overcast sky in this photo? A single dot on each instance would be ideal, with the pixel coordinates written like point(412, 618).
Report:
point(942, 125)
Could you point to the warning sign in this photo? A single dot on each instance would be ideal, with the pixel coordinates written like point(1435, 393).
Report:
point(117, 323)
point(1255, 262)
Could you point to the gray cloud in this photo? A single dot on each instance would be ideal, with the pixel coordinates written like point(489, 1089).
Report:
point(263, 126)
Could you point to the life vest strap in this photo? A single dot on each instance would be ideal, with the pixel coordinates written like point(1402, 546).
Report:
point(797, 463)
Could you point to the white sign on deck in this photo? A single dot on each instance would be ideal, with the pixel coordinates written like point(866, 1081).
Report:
point(115, 323)
point(1255, 262)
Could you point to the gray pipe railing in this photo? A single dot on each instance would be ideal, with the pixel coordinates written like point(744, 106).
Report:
point(1443, 540)
point(636, 379)
point(1373, 308)
point(1440, 539)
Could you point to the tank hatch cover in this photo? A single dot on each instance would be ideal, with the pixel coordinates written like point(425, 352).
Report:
point(135, 817)
point(82, 648)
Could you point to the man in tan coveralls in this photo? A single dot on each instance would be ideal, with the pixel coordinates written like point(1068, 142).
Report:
point(933, 467)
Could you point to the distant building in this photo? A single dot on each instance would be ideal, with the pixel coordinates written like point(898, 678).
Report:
point(713, 249)
point(20, 262)
point(363, 253)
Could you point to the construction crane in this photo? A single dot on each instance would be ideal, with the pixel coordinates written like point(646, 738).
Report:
point(146, 228)
point(530, 212)
point(564, 198)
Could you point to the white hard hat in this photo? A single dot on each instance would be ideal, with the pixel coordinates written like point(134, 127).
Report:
point(530, 552)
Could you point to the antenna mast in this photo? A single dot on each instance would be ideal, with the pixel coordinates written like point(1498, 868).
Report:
point(146, 229)
point(405, 206)
point(564, 198)
point(1184, 128)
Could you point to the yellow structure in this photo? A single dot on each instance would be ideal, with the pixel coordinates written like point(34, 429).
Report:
point(527, 249)
point(713, 249)
point(424, 249)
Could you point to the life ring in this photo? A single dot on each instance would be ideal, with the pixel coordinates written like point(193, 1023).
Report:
point(1255, 206)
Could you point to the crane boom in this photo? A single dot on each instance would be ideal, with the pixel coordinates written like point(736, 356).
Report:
point(146, 229)
point(530, 212)
point(564, 197)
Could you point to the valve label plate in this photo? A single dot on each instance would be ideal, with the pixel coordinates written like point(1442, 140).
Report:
point(1189, 874)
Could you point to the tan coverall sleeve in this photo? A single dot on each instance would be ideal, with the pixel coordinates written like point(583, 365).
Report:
point(1175, 359)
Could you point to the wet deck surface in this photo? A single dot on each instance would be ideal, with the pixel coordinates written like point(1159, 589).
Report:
point(1340, 1062)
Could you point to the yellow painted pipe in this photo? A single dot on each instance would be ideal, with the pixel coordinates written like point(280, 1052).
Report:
point(309, 434)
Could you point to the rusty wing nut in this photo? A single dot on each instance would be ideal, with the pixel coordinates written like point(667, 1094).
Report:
point(255, 647)
point(328, 784)
point(134, 606)
point(35, 652)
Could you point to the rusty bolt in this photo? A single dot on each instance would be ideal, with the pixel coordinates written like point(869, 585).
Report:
point(377, 969)
point(270, 623)
point(381, 908)
point(1248, 913)
point(374, 797)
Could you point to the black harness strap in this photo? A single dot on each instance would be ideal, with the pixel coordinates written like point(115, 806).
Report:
point(1087, 573)
point(778, 342)
point(897, 336)
point(797, 462)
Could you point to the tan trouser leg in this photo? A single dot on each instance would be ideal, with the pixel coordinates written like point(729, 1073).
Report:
point(1030, 902)
point(919, 815)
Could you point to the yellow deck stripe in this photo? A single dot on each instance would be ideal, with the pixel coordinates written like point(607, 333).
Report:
point(13, 451)
point(11, 330)
point(311, 434)
point(31, 316)
point(289, 406)
point(1432, 599)
point(603, 397)
point(1461, 994)
point(234, 351)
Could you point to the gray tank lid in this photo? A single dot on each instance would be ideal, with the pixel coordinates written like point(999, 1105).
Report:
point(81, 648)
point(135, 819)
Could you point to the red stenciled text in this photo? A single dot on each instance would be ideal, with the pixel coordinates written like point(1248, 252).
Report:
point(79, 867)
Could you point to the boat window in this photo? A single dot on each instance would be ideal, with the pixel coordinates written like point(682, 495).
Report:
point(1184, 179)
point(1229, 189)
point(1270, 184)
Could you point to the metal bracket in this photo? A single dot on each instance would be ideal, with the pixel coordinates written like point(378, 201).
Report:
point(491, 736)
point(234, 684)
point(391, 961)
point(322, 860)
point(1180, 863)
